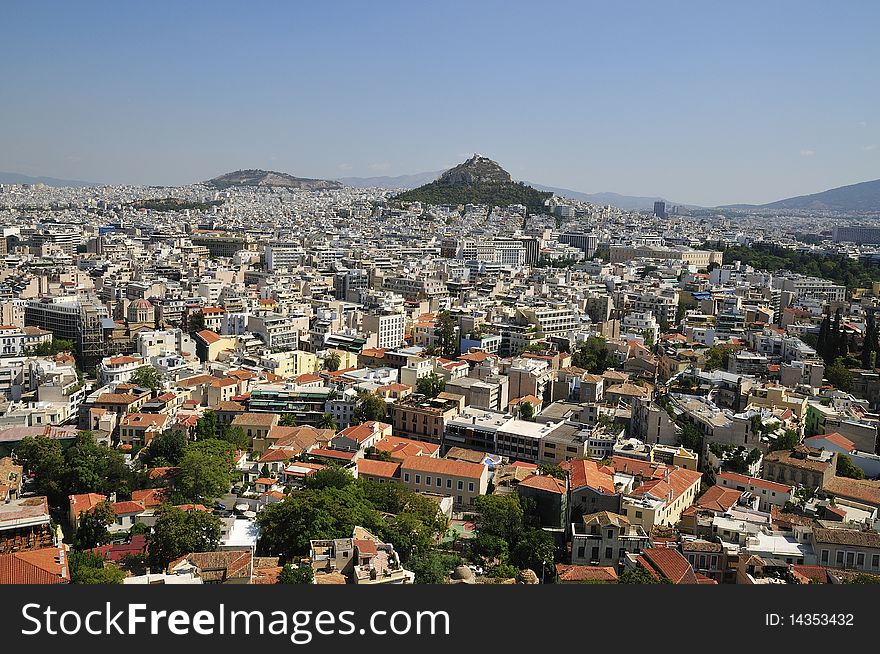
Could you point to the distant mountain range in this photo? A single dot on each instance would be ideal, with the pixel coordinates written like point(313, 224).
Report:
point(864, 196)
point(15, 178)
point(255, 177)
point(404, 182)
point(479, 180)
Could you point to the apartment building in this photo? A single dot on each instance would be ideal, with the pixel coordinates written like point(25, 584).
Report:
point(462, 480)
point(425, 419)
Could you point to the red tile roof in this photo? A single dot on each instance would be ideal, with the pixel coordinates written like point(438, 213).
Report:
point(47, 565)
point(669, 563)
point(373, 468)
point(546, 483)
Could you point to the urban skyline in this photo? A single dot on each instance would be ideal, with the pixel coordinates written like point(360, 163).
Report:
point(697, 104)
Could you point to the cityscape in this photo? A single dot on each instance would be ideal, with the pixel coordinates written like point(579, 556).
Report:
point(276, 375)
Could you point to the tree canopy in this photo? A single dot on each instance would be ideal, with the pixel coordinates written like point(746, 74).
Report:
point(430, 385)
point(179, 532)
point(592, 356)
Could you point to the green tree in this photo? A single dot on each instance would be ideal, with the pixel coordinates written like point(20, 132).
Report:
point(846, 468)
point(93, 468)
point(43, 457)
point(330, 477)
point(327, 421)
point(430, 385)
point(788, 441)
point(208, 426)
point(90, 568)
point(55, 346)
point(717, 356)
point(638, 575)
point(409, 535)
point(165, 449)
point(690, 437)
point(552, 470)
point(526, 411)
point(91, 529)
point(332, 362)
point(287, 420)
point(146, 377)
point(446, 335)
point(369, 407)
point(534, 550)
point(205, 471)
point(499, 516)
point(839, 375)
point(237, 437)
point(286, 527)
point(433, 567)
point(301, 574)
point(179, 532)
point(592, 356)
point(196, 322)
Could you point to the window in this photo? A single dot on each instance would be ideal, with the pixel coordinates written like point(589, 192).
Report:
point(418, 479)
point(471, 487)
point(839, 559)
point(608, 552)
point(860, 559)
point(428, 480)
point(581, 551)
point(448, 483)
point(405, 476)
point(638, 514)
point(875, 561)
point(460, 485)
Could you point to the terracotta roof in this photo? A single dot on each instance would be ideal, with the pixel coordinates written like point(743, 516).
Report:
point(606, 518)
point(126, 508)
point(850, 537)
point(719, 499)
point(47, 565)
point(670, 563)
point(403, 447)
point(255, 420)
point(218, 566)
point(546, 483)
point(84, 502)
point(855, 489)
point(427, 464)
point(585, 573)
point(116, 398)
point(364, 431)
point(150, 497)
point(208, 336)
point(373, 468)
point(332, 454)
point(834, 437)
point(278, 454)
point(584, 473)
point(737, 478)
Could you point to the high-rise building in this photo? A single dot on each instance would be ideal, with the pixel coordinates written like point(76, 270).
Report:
point(660, 209)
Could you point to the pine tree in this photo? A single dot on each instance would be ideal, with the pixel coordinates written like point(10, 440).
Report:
point(868, 342)
point(823, 341)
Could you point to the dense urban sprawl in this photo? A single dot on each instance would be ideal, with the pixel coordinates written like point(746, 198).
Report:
point(274, 385)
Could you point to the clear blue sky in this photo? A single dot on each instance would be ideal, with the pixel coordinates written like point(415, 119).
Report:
point(703, 102)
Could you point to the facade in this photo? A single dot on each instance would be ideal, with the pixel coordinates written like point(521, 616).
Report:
point(461, 480)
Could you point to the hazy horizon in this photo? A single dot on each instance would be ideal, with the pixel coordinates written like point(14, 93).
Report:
point(699, 104)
